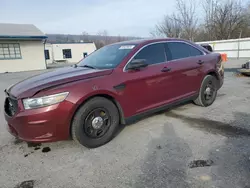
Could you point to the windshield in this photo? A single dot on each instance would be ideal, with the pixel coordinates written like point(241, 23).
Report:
point(107, 57)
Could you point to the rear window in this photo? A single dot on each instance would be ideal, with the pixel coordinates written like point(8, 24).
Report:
point(179, 50)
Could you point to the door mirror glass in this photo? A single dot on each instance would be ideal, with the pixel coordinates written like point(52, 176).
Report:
point(137, 64)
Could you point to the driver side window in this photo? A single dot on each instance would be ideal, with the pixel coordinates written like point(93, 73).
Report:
point(153, 54)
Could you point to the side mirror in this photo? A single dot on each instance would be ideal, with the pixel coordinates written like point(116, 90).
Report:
point(137, 64)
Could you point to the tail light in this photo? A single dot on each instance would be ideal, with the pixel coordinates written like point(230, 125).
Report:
point(219, 65)
point(224, 57)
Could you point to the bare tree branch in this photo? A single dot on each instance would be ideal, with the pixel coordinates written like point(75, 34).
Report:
point(222, 19)
point(225, 19)
point(181, 24)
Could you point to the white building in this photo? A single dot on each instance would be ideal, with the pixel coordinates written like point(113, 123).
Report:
point(21, 48)
point(68, 52)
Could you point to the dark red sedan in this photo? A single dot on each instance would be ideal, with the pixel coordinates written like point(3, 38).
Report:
point(112, 86)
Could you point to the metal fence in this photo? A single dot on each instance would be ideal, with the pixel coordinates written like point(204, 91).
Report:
point(234, 48)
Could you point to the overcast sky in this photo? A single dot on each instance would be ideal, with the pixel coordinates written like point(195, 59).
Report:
point(118, 17)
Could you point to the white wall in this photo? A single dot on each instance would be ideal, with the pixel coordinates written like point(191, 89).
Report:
point(32, 57)
point(234, 48)
point(77, 50)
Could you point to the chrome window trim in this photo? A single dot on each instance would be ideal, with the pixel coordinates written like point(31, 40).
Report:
point(163, 42)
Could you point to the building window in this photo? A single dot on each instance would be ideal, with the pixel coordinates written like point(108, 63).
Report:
point(46, 52)
point(67, 53)
point(10, 51)
point(85, 54)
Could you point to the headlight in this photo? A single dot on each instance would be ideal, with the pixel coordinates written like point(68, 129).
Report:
point(44, 101)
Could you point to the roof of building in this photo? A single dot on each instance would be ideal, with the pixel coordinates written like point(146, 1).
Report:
point(70, 42)
point(23, 31)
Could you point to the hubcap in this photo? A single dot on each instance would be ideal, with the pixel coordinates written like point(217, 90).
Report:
point(97, 122)
point(209, 91)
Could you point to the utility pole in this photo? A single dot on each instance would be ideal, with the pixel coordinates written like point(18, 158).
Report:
point(238, 56)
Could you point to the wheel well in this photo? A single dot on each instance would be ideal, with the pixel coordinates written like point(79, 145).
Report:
point(118, 106)
point(215, 75)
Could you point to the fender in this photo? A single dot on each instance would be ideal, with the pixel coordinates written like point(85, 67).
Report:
point(102, 93)
point(212, 72)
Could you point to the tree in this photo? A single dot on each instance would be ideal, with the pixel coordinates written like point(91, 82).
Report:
point(105, 37)
point(99, 44)
point(169, 27)
point(187, 18)
point(220, 19)
point(60, 38)
point(183, 23)
point(225, 19)
point(209, 8)
point(69, 38)
point(85, 37)
point(119, 38)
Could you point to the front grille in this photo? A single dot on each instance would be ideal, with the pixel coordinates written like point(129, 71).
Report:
point(10, 106)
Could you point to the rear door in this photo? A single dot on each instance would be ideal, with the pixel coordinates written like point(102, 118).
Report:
point(185, 62)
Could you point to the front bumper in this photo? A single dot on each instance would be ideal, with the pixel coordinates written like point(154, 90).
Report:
point(45, 124)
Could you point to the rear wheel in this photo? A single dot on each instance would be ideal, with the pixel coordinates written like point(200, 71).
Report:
point(95, 123)
point(208, 91)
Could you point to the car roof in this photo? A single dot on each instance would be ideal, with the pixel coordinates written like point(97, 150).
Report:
point(147, 41)
point(143, 42)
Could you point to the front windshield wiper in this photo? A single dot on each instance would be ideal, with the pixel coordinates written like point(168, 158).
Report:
point(88, 66)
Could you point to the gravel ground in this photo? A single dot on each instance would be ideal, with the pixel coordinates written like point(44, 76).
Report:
point(159, 151)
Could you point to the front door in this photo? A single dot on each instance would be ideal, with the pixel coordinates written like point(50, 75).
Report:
point(144, 88)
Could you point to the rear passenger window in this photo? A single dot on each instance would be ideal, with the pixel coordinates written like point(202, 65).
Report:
point(178, 50)
point(193, 51)
point(152, 54)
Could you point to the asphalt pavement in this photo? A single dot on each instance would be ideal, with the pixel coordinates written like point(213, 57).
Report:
point(187, 146)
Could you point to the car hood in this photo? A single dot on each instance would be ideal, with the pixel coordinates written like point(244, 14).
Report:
point(32, 85)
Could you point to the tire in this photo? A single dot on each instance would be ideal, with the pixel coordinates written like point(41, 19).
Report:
point(82, 132)
point(202, 99)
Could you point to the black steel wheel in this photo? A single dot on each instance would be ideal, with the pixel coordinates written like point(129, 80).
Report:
point(208, 91)
point(95, 123)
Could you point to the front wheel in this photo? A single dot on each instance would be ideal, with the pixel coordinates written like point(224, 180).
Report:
point(95, 123)
point(208, 91)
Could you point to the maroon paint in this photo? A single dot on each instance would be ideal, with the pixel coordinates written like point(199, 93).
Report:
point(145, 90)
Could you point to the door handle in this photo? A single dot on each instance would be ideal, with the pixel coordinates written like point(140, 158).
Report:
point(200, 62)
point(166, 69)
